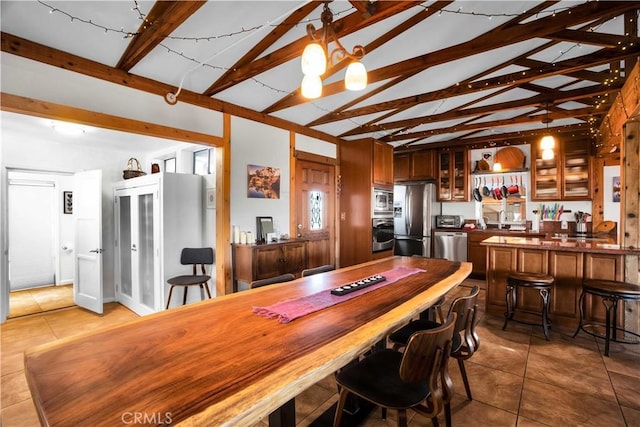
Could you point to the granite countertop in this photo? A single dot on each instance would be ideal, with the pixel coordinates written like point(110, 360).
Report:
point(571, 244)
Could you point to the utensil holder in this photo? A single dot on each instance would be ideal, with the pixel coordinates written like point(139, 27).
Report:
point(581, 227)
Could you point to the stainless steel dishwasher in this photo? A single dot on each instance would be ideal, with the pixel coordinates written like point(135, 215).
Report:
point(451, 245)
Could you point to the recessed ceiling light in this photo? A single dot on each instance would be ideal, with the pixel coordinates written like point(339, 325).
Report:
point(68, 129)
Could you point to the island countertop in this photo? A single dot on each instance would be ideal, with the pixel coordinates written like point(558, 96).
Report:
point(570, 244)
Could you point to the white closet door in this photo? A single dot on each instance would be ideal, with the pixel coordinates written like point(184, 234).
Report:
point(31, 234)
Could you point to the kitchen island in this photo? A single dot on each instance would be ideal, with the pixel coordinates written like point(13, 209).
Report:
point(569, 260)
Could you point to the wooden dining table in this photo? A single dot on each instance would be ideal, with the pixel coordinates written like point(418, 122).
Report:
point(217, 362)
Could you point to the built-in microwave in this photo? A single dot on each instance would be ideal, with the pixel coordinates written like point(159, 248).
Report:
point(382, 203)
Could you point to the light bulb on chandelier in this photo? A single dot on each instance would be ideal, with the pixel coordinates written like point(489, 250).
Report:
point(548, 142)
point(316, 58)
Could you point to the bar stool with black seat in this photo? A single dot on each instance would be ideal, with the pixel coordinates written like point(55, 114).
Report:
point(611, 293)
point(542, 283)
point(193, 256)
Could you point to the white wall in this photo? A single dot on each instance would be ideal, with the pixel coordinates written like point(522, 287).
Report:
point(611, 209)
point(258, 144)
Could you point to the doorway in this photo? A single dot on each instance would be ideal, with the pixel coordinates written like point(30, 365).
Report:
point(40, 274)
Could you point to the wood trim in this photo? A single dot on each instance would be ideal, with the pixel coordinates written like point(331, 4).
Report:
point(224, 284)
point(310, 157)
point(57, 58)
point(292, 184)
point(50, 110)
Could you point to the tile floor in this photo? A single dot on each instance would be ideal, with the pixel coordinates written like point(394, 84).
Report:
point(38, 300)
point(517, 378)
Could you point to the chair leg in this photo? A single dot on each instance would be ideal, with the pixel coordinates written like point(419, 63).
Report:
point(344, 393)
point(206, 287)
point(184, 296)
point(580, 306)
point(169, 299)
point(608, 306)
point(463, 371)
point(447, 414)
point(402, 418)
point(510, 306)
point(545, 312)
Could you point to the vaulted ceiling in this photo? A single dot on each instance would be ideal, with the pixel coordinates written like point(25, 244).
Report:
point(440, 73)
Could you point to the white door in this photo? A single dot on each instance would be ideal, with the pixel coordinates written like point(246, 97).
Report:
point(87, 221)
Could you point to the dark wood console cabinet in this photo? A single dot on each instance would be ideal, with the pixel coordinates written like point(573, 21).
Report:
point(254, 262)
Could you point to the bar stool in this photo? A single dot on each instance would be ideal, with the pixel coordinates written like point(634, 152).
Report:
point(542, 283)
point(611, 292)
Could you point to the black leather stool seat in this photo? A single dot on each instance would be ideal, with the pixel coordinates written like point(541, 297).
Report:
point(611, 293)
point(541, 282)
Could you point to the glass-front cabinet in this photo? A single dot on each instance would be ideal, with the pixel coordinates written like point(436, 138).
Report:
point(453, 176)
point(566, 176)
point(137, 230)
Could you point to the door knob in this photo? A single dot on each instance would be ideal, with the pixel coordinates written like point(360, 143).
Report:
point(299, 230)
point(96, 251)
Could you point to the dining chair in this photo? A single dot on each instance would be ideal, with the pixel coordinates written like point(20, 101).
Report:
point(416, 379)
point(193, 256)
point(271, 280)
point(315, 270)
point(465, 338)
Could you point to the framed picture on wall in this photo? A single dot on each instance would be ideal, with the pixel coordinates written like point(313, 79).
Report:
point(616, 189)
point(67, 202)
point(263, 182)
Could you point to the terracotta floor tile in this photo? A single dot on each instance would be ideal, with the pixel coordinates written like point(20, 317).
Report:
point(623, 360)
point(21, 414)
point(501, 354)
point(631, 416)
point(558, 406)
point(583, 375)
point(24, 327)
point(472, 413)
point(526, 422)
point(14, 389)
point(490, 386)
point(627, 390)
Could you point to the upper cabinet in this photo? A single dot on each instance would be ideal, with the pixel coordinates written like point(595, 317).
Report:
point(453, 175)
point(382, 163)
point(566, 176)
point(414, 166)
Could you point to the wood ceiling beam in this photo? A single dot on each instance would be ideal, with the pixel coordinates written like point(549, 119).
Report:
point(603, 57)
point(591, 38)
point(344, 26)
point(57, 58)
point(495, 124)
point(163, 19)
point(274, 35)
point(561, 96)
point(491, 40)
point(399, 29)
point(572, 132)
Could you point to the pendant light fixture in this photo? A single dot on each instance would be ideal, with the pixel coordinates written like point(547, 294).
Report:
point(548, 142)
point(316, 58)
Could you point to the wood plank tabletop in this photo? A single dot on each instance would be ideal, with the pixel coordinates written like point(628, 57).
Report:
point(217, 362)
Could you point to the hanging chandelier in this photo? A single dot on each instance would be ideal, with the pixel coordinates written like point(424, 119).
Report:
point(317, 58)
point(548, 142)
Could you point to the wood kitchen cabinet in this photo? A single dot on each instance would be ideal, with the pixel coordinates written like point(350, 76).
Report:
point(254, 262)
point(414, 166)
point(566, 176)
point(364, 164)
point(453, 175)
point(382, 163)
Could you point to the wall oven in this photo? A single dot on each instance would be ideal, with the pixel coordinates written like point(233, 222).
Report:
point(382, 234)
point(382, 203)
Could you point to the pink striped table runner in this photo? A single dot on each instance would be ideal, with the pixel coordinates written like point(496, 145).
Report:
point(291, 309)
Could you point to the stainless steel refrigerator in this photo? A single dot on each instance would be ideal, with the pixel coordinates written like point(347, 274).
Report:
point(414, 211)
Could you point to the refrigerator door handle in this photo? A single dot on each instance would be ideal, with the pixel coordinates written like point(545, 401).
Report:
point(407, 207)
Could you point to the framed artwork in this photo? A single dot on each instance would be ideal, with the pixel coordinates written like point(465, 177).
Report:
point(263, 182)
point(616, 189)
point(67, 202)
point(264, 227)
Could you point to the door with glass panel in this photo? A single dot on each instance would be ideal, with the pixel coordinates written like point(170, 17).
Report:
point(137, 249)
point(315, 212)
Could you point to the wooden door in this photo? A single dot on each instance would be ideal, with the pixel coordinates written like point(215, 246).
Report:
point(315, 210)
